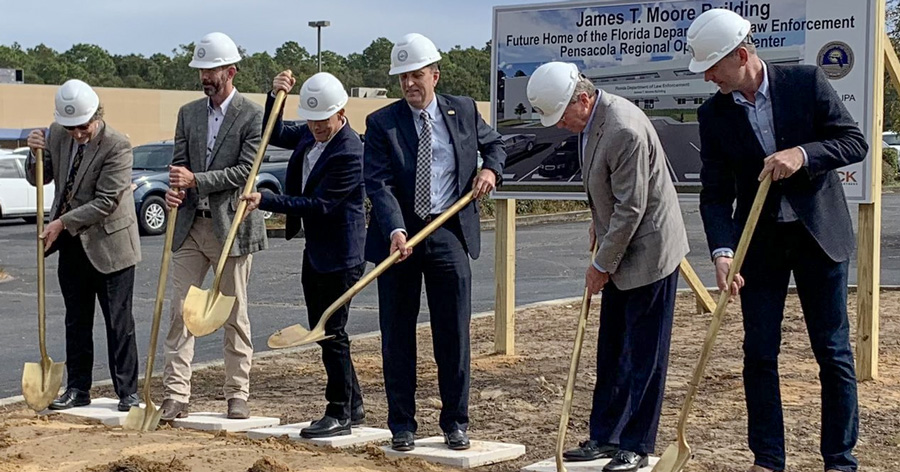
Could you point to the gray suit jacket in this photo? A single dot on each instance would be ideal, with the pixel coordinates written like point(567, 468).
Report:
point(224, 180)
point(635, 210)
point(102, 207)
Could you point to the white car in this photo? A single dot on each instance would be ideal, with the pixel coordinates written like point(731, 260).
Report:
point(18, 198)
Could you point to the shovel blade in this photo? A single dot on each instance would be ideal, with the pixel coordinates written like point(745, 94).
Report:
point(40, 385)
point(204, 312)
point(296, 335)
point(143, 419)
point(674, 458)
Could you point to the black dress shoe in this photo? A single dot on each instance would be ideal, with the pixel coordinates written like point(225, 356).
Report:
point(326, 427)
point(128, 401)
point(403, 441)
point(72, 398)
point(457, 440)
point(357, 416)
point(589, 450)
point(626, 461)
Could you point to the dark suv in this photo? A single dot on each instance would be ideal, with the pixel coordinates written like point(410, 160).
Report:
point(150, 180)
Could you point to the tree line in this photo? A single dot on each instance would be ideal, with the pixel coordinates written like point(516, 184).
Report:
point(463, 71)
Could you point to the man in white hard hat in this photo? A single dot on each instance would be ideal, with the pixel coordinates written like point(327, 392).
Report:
point(786, 121)
point(94, 227)
point(421, 157)
point(637, 226)
point(216, 140)
point(324, 195)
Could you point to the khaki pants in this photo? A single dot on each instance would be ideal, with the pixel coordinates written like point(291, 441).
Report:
point(190, 263)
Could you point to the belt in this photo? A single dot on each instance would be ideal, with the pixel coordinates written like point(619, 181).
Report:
point(204, 213)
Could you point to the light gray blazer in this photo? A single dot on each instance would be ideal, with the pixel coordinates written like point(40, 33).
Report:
point(102, 207)
point(224, 180)
point(634, 206)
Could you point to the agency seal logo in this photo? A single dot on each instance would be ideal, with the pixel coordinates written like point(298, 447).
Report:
point(201, 53)
point(312, 102)
point(402, 55)
point(70, 110)
point(836, 59)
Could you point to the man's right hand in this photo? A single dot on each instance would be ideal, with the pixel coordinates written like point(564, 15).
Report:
point(173, 198)
point(283, 82)
point(36, 140)
point(723, 265)
point(398, 243)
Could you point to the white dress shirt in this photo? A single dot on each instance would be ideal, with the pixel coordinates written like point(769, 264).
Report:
point(312, 156)
point(215, 117)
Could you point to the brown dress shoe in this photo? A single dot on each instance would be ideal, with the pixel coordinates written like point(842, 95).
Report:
point(238, 409)
point(172, 409)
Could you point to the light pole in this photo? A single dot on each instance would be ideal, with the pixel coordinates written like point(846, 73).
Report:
point(318, 25)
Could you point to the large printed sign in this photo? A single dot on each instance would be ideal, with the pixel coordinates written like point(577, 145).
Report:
point(638, 51)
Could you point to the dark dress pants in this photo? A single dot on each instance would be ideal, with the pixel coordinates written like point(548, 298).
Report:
point(443, 262)
point(321, 289)
point(777, 250)
point(632, 360)
point(82, 285)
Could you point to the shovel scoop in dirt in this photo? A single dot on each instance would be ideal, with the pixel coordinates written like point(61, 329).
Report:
point(41, 380)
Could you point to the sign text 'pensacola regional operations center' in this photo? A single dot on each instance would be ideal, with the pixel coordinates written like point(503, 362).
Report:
point(638, 51)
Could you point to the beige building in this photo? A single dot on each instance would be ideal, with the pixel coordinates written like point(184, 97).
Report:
point(147, 115)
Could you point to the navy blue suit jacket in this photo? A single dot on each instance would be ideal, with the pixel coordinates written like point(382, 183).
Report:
point(330, 209)
point(390, 167)
point(806, 111)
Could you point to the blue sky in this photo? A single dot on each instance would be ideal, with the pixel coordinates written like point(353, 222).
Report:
point(150, 26)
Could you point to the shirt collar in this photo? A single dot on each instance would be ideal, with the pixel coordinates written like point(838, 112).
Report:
point(225, 104)
point(431, 108)
point(763, 87)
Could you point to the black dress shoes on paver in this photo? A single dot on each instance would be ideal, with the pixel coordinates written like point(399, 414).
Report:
point(327, 427)
point(357, 416)
point(626, 461)
point(128, 401)
point(457, 440)
point(589, 450)
point(70, 399)
point(403, 441)
point(173, 409)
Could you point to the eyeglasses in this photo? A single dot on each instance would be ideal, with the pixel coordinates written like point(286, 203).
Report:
point(79, 128)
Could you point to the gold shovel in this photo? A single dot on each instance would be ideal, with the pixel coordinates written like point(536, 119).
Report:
point(41, 381)
point(147, 418)
point(573, 371)
point(207, 310)
point(297, 335)
point(676, 455)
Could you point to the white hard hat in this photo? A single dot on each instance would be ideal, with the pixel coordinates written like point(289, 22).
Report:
point(215, 50)
point(713, 35)
point(413, 52)
point(321, 96)
point(550, 90)
point(76, 103)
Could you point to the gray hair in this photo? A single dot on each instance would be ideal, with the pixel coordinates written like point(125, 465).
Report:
point(746, 43)
point(584, 85)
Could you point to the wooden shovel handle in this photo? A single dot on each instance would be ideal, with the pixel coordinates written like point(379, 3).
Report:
point(41, 274)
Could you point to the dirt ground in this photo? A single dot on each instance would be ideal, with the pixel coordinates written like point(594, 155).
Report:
point(513, 398)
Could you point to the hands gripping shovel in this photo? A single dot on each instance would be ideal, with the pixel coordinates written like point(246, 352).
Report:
point(676, 456)
point(147, 418)
point(41, 380)
point(207, 310)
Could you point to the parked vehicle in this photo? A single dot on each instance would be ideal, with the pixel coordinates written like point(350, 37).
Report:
point(150, 181)
point(564, 162)
point(18, 198)
point(517, 145)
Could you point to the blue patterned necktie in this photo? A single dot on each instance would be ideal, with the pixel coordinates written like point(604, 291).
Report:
point(423, 169)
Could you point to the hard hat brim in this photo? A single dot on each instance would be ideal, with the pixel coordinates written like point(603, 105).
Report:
point(316, 115)
point(553, 118)
point(73, 120)
point(410, 67)
point(699, 67)
point(195, 64)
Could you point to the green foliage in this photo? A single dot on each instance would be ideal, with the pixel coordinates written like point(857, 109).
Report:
point(463, 71)
point(534, 207)
point(890, 169)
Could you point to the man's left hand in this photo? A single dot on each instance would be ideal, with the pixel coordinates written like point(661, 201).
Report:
point(51, 232)
point(485, 182)
point(594, 280)
point(181, 177)
point(782, 164)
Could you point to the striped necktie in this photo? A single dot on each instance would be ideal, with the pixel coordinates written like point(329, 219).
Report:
point(69, 190)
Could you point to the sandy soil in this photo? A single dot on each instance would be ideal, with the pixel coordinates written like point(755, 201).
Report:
point(513, 398)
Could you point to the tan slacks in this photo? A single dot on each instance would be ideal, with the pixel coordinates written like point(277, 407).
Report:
point(190, 263)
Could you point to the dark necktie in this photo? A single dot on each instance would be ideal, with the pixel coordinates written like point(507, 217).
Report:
point(422, 205)
point(69, 190)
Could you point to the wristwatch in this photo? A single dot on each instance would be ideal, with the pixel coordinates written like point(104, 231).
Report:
point(722, 253)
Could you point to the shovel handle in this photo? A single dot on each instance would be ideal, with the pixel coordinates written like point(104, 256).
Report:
point(719, 313)
point(41, 275)
point(248, 188)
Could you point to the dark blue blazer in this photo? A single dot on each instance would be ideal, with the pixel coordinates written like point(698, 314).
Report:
point(806, 111)
point(390, 167)
point(330, 210)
